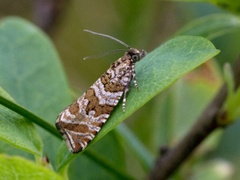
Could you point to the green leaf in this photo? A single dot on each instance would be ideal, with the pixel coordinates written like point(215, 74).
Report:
point(17, 131)
point(30, 68)
point(130, 140)
point(18, 168)
point(229, 79)
point(211, 26)
point(97, 157)
point(231, 108)
point(158, 70)
point(192, 0)
point(30, 71)
point(29, 115)
point(218, 169)
point(230, 5)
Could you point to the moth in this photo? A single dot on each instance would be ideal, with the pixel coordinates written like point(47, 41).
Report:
point(81, 121)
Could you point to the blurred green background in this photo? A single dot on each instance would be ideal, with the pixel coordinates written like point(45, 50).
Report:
point(144, 24)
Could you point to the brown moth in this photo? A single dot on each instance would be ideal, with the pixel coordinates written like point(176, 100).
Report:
point(81, 121)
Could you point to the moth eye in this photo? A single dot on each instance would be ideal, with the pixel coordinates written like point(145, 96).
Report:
point(135, 57)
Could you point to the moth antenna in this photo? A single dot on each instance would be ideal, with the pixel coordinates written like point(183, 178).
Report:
point(107, 36)
point(104, 54)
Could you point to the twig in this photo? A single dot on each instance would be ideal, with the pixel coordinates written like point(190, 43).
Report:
point(47, 12)
point(168, 162)
point(30, 116)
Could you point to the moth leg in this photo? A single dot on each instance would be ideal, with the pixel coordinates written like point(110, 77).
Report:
point(134, 77)
point(125, 98)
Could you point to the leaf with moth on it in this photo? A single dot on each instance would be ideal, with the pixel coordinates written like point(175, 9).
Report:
point(155, 72)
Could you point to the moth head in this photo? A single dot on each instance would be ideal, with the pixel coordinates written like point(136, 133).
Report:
point(135, 54)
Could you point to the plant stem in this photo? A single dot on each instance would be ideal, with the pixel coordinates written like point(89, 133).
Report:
point(30, 116)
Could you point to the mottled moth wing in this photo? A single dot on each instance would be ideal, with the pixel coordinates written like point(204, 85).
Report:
point(80, 122)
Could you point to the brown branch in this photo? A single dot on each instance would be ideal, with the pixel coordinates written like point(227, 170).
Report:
point(168, 162)
point(47, 13)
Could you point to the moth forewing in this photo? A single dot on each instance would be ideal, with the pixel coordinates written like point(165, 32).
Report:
point(81, 121)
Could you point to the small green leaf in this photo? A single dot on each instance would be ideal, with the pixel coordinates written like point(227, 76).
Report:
point(18, 168)
point(130, 140)
point(17, 131)
point(213, 169)
point(192, 0)
point(231, 108)
point(230, 5)
point(30, 71)
point(211, 26)
point(158, 70)
point(229, 78)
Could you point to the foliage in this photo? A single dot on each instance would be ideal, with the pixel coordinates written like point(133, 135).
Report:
point(34, 89)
